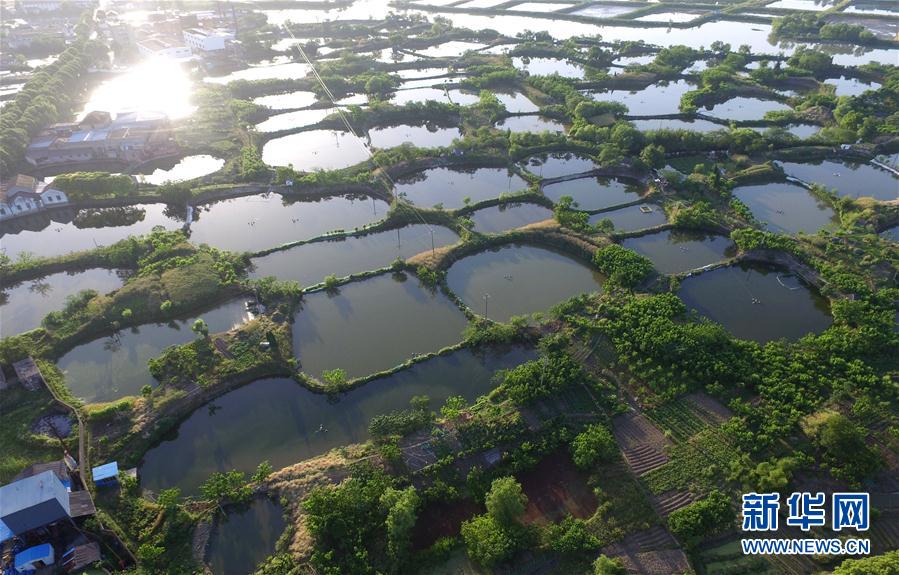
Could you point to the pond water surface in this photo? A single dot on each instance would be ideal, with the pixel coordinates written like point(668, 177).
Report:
point(23, 306)
point(548, 67)
point(785, 307)
point(300, 99)
point(110, 368)
point(663, 98)
point(847, 178)
point(253, 223)
point(373, 325)
point(532, 123)
point(595, 193)
point(632, 218)
point(186, 169)
point(676, 251)
point(245, 536)
point(280, 421)
point(786, 208)
point(559, 164)
point(508, 216)
point(742, 108)
point(697, 125)
point(427, 136)
point(315, 150)
point(851, 86)
point(310, 263)
point(519, 280)
point(40, 236)
point(294, 119)
point(450, 187)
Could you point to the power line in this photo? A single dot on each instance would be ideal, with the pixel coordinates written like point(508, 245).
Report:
point(381, 171)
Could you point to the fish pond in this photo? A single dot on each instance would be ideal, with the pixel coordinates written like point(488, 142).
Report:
point(280, 421)
point(113, 367)
point(451, 186)
point(505, 217)
point(23, 306)
point(519, 280)
point(786, 208)
point(757, 302)
point(315, 150)
point(848, 179)
point(676, 251)
point(254, 223)
point(631, 218)
point(73, 231)
point(348, 328)
point(595, 193)
point(310, 263)
point(244, 536)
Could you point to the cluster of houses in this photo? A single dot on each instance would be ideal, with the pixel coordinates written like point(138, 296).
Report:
point(23, 194)
point(196, 35)
point(43, 508)
point(131, 137)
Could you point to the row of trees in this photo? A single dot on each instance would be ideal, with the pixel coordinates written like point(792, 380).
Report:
point(47, 97)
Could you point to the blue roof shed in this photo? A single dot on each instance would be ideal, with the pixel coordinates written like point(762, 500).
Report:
point(33, 502)
point(34, 557)
point(106, 473)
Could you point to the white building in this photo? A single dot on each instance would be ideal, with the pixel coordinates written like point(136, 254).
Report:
point(38, 6)
point(202, 40)
point(166, 47)
point(23, 194)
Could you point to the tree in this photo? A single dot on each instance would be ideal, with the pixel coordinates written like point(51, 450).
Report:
point(401, 517)
point(263, 470)
point(570, 537)
point(623, 266)
point(334, 379)
point(695, 522)
point(505, 501)
point(608, 566)
point(486, 541)
point(846, 449)
point(453, 406)
point(226, 487)
point(200, 328)
point(886, 564)
point(593, 445)
point(168, 499)
point(653, 156)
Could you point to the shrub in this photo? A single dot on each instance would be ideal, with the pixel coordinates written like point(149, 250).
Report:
point(695, 522)
point(623, 266)
point(593, 445)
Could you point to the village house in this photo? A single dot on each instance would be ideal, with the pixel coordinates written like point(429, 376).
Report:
point(25, 194)
point(131, 137)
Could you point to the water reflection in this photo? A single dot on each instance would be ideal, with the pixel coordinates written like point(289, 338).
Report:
point(154, 85)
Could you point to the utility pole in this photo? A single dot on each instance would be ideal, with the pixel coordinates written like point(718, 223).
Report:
point(433, 249)
point(486, 299)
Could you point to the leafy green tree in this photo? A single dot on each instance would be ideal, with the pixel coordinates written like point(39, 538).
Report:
point(570, 537)
point(229, 487)
point(506, 502)
point(263, 470)
point(200, 328)
point(608, 566)
point(486, 541)
point(401, 517)
point(623, 266)
point(695, 522)
point(593, 445)
point(886, 564)
point(168, 499)
point(846, 450)
point(334, 379)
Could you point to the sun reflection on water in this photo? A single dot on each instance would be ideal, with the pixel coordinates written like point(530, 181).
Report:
point(154, 85)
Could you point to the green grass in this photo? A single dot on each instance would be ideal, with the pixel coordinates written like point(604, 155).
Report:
point(728, 559)
point(623, 507)
point(677, 418)
point(697, 465)
point(20, 408)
